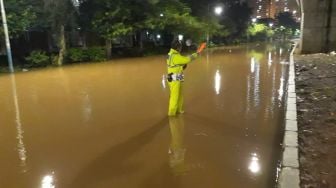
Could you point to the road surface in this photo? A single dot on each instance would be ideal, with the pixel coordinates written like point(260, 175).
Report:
point(105, 124)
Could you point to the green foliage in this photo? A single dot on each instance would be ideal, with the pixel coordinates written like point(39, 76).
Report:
point(260, 31)
point(255, 29)
point(76, 55)
point(59, 13)
point(112, 23)
point(121, 17)
point(283, 32)
point(20, 17)
point(38, 58)
point(237, 18)
point(270, 32)
point(95, 54)
point(287, 20)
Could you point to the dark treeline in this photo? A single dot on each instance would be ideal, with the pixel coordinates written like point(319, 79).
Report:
point(46, 32)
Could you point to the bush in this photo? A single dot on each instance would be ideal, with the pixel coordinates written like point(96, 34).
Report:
point(81, 55)
point(38, 58)
point(96, 54)
point(76, 55)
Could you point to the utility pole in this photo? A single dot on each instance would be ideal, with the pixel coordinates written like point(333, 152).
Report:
point(8, 47)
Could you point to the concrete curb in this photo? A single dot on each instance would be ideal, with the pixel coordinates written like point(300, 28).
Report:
point(290, 173)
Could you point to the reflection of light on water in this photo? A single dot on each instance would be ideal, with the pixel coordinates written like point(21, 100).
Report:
point(269, 58)
point(87, 110)
point(257, 85)
point(254, 81)
point(254, 165)
point(248, 94)
point(280, 51)
point(281, 89)
point(21, 147)
point(48, 182)
point(252, 64)
point(177, 150)
point(164, 81)
point(217, 82)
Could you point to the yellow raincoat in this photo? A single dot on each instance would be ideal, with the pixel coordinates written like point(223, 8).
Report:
point(175, 63)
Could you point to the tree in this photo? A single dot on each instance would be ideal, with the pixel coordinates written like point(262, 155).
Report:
point(256, 29)
point(177, 19)
point(286, 26)
point(108, 18)
point(59, 16)
point(20, 17)
point(116, 18)
point(237, 18)
point(287, 20)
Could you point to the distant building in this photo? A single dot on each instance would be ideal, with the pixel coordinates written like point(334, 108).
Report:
point(263, 8)
point(270, 8)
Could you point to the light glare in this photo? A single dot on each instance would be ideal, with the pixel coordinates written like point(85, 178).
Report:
point(218, 10)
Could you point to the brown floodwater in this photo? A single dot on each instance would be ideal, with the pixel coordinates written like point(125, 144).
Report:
point(105, 124)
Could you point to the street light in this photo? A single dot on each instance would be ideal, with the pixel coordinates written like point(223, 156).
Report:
point(8, 47)
point(180, 37)
point(218, 10)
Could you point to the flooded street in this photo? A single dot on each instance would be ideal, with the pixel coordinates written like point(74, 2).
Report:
point(105, 124)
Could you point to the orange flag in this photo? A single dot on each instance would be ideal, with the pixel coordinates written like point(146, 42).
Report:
point(201, 47)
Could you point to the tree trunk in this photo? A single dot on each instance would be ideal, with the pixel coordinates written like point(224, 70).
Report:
point(62, 44)
point(50, 42)
point(84, 40)
point(108, 48)
point(141, 41)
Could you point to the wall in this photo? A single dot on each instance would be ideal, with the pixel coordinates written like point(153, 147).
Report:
point(318, 26)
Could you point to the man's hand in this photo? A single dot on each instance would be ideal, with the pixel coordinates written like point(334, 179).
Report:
point(194, 56)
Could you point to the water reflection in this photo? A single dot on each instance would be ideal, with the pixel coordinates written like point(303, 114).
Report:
point(20, 146)
point(115, 152)
point(177, 149)
point(87, 107)
point(48, 182)
point(164, 81)
point(217, 82)
point(254, 165)
point(252, 64)
point(270, 59)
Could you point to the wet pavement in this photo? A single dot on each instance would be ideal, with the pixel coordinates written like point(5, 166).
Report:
point(105, 124)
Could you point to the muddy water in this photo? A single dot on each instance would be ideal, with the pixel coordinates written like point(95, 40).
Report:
point(105, 125)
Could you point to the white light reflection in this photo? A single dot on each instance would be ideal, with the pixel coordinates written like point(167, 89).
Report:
point(281, 51)
point(269, 58)
point(256, 90)
point(48, 182)
point(87, 107)
point(254, 165)
point(217, 82)
point(164, 81)
point(281, 89)
point(252, 64)
point(20, 146)
point(180, 37)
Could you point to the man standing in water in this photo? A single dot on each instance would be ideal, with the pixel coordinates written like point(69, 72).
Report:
point(176, 64)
